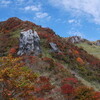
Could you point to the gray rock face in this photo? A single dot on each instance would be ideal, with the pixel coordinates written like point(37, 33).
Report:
point(75, 39)
point(29, 43)
point(98, 43)
point(54, 47)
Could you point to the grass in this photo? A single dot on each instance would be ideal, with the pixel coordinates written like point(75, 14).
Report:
point(91, 49)
point(15, 34)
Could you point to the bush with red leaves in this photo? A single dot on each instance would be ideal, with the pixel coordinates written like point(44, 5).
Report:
point(12, 51)
point(70, 80)
point(67, 89)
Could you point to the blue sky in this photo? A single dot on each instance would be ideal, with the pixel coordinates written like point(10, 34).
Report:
point(65, 17)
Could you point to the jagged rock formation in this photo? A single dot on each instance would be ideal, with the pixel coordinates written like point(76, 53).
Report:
point(29, 43)
point(54, 47)
point(98, 43)
point(75, 39)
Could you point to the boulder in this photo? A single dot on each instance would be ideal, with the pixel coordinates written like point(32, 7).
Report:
point(29, 43)
point(98, 42)
point(75, 39)
point(54, 47)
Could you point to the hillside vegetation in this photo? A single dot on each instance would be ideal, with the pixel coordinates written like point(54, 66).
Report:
point(91, 49)
point(50, 75)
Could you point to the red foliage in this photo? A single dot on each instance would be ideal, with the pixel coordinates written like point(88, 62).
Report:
point(71, 80)
point(47, 87)
point(43, 85)
point(47, 59)
point(12, 50)
point(67, 89)
point(37, 89)
point(44, 79)
point(97, 95)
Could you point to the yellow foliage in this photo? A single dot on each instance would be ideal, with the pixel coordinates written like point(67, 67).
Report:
point(17, 78)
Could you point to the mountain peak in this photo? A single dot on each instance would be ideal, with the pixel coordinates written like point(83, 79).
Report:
point(14, 19)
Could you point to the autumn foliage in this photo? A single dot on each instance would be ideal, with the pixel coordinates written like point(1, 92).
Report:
point(74, 92)
point(80, 60)
point(12, 51)
point(85, 93)
point(19, 82)
point(46, 77)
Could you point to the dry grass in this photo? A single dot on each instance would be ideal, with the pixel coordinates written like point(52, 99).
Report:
point(91, 49)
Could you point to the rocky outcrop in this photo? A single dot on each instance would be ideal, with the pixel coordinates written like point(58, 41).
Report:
point(29, 43)
point(98, 43)
point(75, 39)
point(54, 47)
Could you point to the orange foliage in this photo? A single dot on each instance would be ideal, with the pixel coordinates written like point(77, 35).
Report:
point(19, 82)
point(80, 60)
point(85, 93)
point(12, 51)
point(75, 52)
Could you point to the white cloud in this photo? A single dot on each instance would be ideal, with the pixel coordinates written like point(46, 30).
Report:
point(5, 2)
point(33, 8)
point(42, 15)
point(86, 7)
point(75, 22)
point(71, 21)
point(76, 33)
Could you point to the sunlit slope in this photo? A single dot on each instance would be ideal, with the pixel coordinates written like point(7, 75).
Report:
point(91, 49)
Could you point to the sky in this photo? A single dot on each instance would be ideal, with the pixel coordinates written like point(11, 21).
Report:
point(66, 17)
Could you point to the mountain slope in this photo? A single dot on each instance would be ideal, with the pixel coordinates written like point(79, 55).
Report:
point(50, 75)
point(91, 49)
